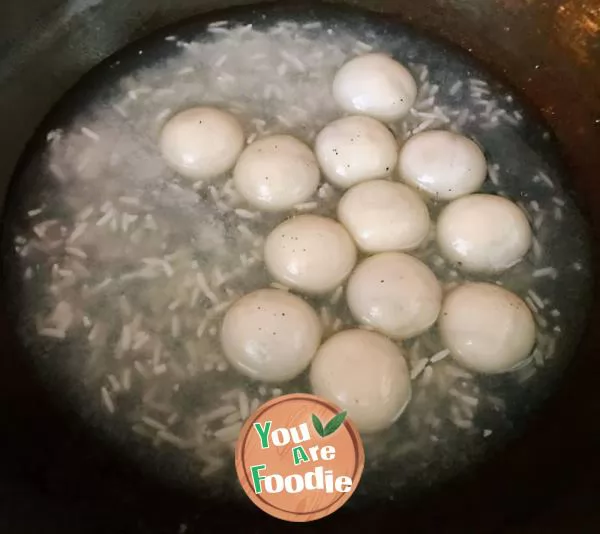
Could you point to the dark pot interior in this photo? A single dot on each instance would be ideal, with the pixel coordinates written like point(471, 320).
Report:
point(55, 476)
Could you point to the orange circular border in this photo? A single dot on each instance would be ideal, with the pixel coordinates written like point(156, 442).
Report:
point(288, 515)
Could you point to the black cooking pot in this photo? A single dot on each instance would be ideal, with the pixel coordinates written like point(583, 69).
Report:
point(57, 476)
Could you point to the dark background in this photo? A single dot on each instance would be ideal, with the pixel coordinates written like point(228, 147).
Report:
point(56, 478)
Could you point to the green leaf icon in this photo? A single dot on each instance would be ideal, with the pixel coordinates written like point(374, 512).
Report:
point(318, 425)
point(336, 422)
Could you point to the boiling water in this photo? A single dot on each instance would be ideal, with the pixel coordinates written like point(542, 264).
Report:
point(122, 270)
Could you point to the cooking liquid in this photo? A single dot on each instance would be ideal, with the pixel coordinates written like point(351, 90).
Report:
point(120, 270)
